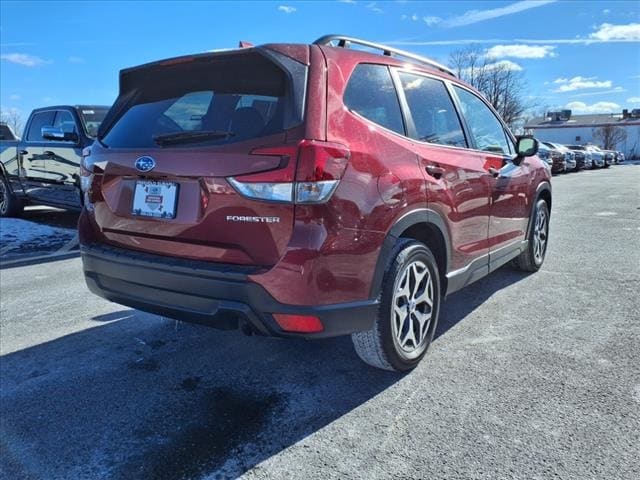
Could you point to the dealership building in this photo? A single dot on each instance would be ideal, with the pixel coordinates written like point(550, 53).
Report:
point(567, 129)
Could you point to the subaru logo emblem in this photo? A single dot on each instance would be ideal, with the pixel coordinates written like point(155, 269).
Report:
point(145, 164)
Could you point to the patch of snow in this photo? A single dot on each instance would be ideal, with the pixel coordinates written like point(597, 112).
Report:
point(22, 236)
point(18, 230)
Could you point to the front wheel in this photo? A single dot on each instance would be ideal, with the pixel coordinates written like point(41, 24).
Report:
point(408, 314)
point(532, 258)
point(10, 205)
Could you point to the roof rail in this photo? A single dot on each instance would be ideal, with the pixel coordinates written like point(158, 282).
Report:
point(344, 41)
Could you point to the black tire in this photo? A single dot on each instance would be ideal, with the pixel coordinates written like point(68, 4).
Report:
point(10, 205)
point(531, 259)
point(380, 346)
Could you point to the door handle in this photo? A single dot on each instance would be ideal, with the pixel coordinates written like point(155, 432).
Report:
point(434, 171)
point(49, 153)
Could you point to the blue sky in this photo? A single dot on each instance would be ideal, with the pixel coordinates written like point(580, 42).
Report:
point(583, 55)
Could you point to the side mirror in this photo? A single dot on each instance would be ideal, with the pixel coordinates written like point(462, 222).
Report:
point(58, 135)
point(526, 147)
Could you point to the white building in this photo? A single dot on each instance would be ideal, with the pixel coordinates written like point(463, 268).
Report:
point(564, 128)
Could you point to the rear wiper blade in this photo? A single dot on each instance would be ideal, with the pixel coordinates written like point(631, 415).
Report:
point(191, 137)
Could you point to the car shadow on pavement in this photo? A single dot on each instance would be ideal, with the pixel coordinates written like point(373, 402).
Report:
point(138, 396)
point(461, 303)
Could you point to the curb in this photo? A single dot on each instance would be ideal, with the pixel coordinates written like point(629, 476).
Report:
point(53, 257)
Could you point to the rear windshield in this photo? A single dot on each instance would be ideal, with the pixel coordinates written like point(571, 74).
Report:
point(202, 103)
point(91, 119)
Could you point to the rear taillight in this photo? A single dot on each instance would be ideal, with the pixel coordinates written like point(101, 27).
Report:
point(318, 171)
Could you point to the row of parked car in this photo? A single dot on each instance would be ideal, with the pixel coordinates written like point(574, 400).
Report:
point(571, 158)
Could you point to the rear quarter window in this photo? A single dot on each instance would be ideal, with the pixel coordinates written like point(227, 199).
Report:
point(371, 93)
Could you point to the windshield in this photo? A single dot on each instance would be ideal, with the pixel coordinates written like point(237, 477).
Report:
point(91, 119)
point(190, 105)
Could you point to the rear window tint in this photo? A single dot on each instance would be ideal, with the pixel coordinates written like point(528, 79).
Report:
point(371, 93)
point(243, 99)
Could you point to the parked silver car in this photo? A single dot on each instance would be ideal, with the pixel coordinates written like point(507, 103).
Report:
point(569, 156)
point(583, 156)
point(597, 156)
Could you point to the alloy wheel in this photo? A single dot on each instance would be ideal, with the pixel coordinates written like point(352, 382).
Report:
point(540, 233)
point(413, 310)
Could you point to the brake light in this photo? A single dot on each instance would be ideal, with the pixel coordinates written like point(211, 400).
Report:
point(299, 323)
point(318, 171)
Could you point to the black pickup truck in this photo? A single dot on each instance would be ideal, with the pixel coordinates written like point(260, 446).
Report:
point(44, 167)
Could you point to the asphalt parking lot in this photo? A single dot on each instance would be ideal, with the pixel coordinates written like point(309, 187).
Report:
point(530, 376)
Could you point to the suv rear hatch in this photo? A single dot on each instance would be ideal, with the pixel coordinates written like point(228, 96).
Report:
point(160, 172)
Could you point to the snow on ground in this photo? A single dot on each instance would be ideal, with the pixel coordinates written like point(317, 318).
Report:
point(19, 237)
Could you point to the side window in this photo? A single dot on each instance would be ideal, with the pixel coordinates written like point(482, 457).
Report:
point(64, 120)
point(5, 133)
point(371, 93)
point(486, 129)
point(432, 110)
point(39, 120)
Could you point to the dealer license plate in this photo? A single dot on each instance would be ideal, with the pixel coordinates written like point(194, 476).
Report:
point(155, 199)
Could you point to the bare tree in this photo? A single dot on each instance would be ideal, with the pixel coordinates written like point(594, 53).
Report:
point(12, 118)
point(500, 84)
point(610, 136)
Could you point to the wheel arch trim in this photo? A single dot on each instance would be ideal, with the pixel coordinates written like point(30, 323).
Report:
point(421, 216)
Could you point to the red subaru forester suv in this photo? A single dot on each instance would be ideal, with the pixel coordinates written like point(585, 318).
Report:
point(307, 191)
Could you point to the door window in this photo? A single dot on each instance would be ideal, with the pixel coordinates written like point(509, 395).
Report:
point(487, 131)
point(64, 120)
point(371, 93)
point(432, 110)
point(39, 120)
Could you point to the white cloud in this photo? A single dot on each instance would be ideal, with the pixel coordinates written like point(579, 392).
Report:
point(625, 33)
point(373, 6)
point(431, 20)
point(528, 41)
point(598, 107)
point(599, 92)
point(579, 83)
point(501, 65)
point(606, 11)
point(15, 97)
point(23, 59)
point(633, 100)
point(521, 51)
point(287, 9)
point(352, 2)
point(504, 65)
point(475, 16)
point(73, 59)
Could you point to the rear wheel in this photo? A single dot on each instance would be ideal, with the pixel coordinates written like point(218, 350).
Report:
point(10, 205)
point(408, 312)
point(532, 258)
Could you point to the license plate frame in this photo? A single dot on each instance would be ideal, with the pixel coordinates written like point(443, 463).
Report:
point(155, 199)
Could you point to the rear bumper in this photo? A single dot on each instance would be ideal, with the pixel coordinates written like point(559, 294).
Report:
point(220, 296)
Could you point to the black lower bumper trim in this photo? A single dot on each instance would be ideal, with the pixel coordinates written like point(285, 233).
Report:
point(218, 296)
